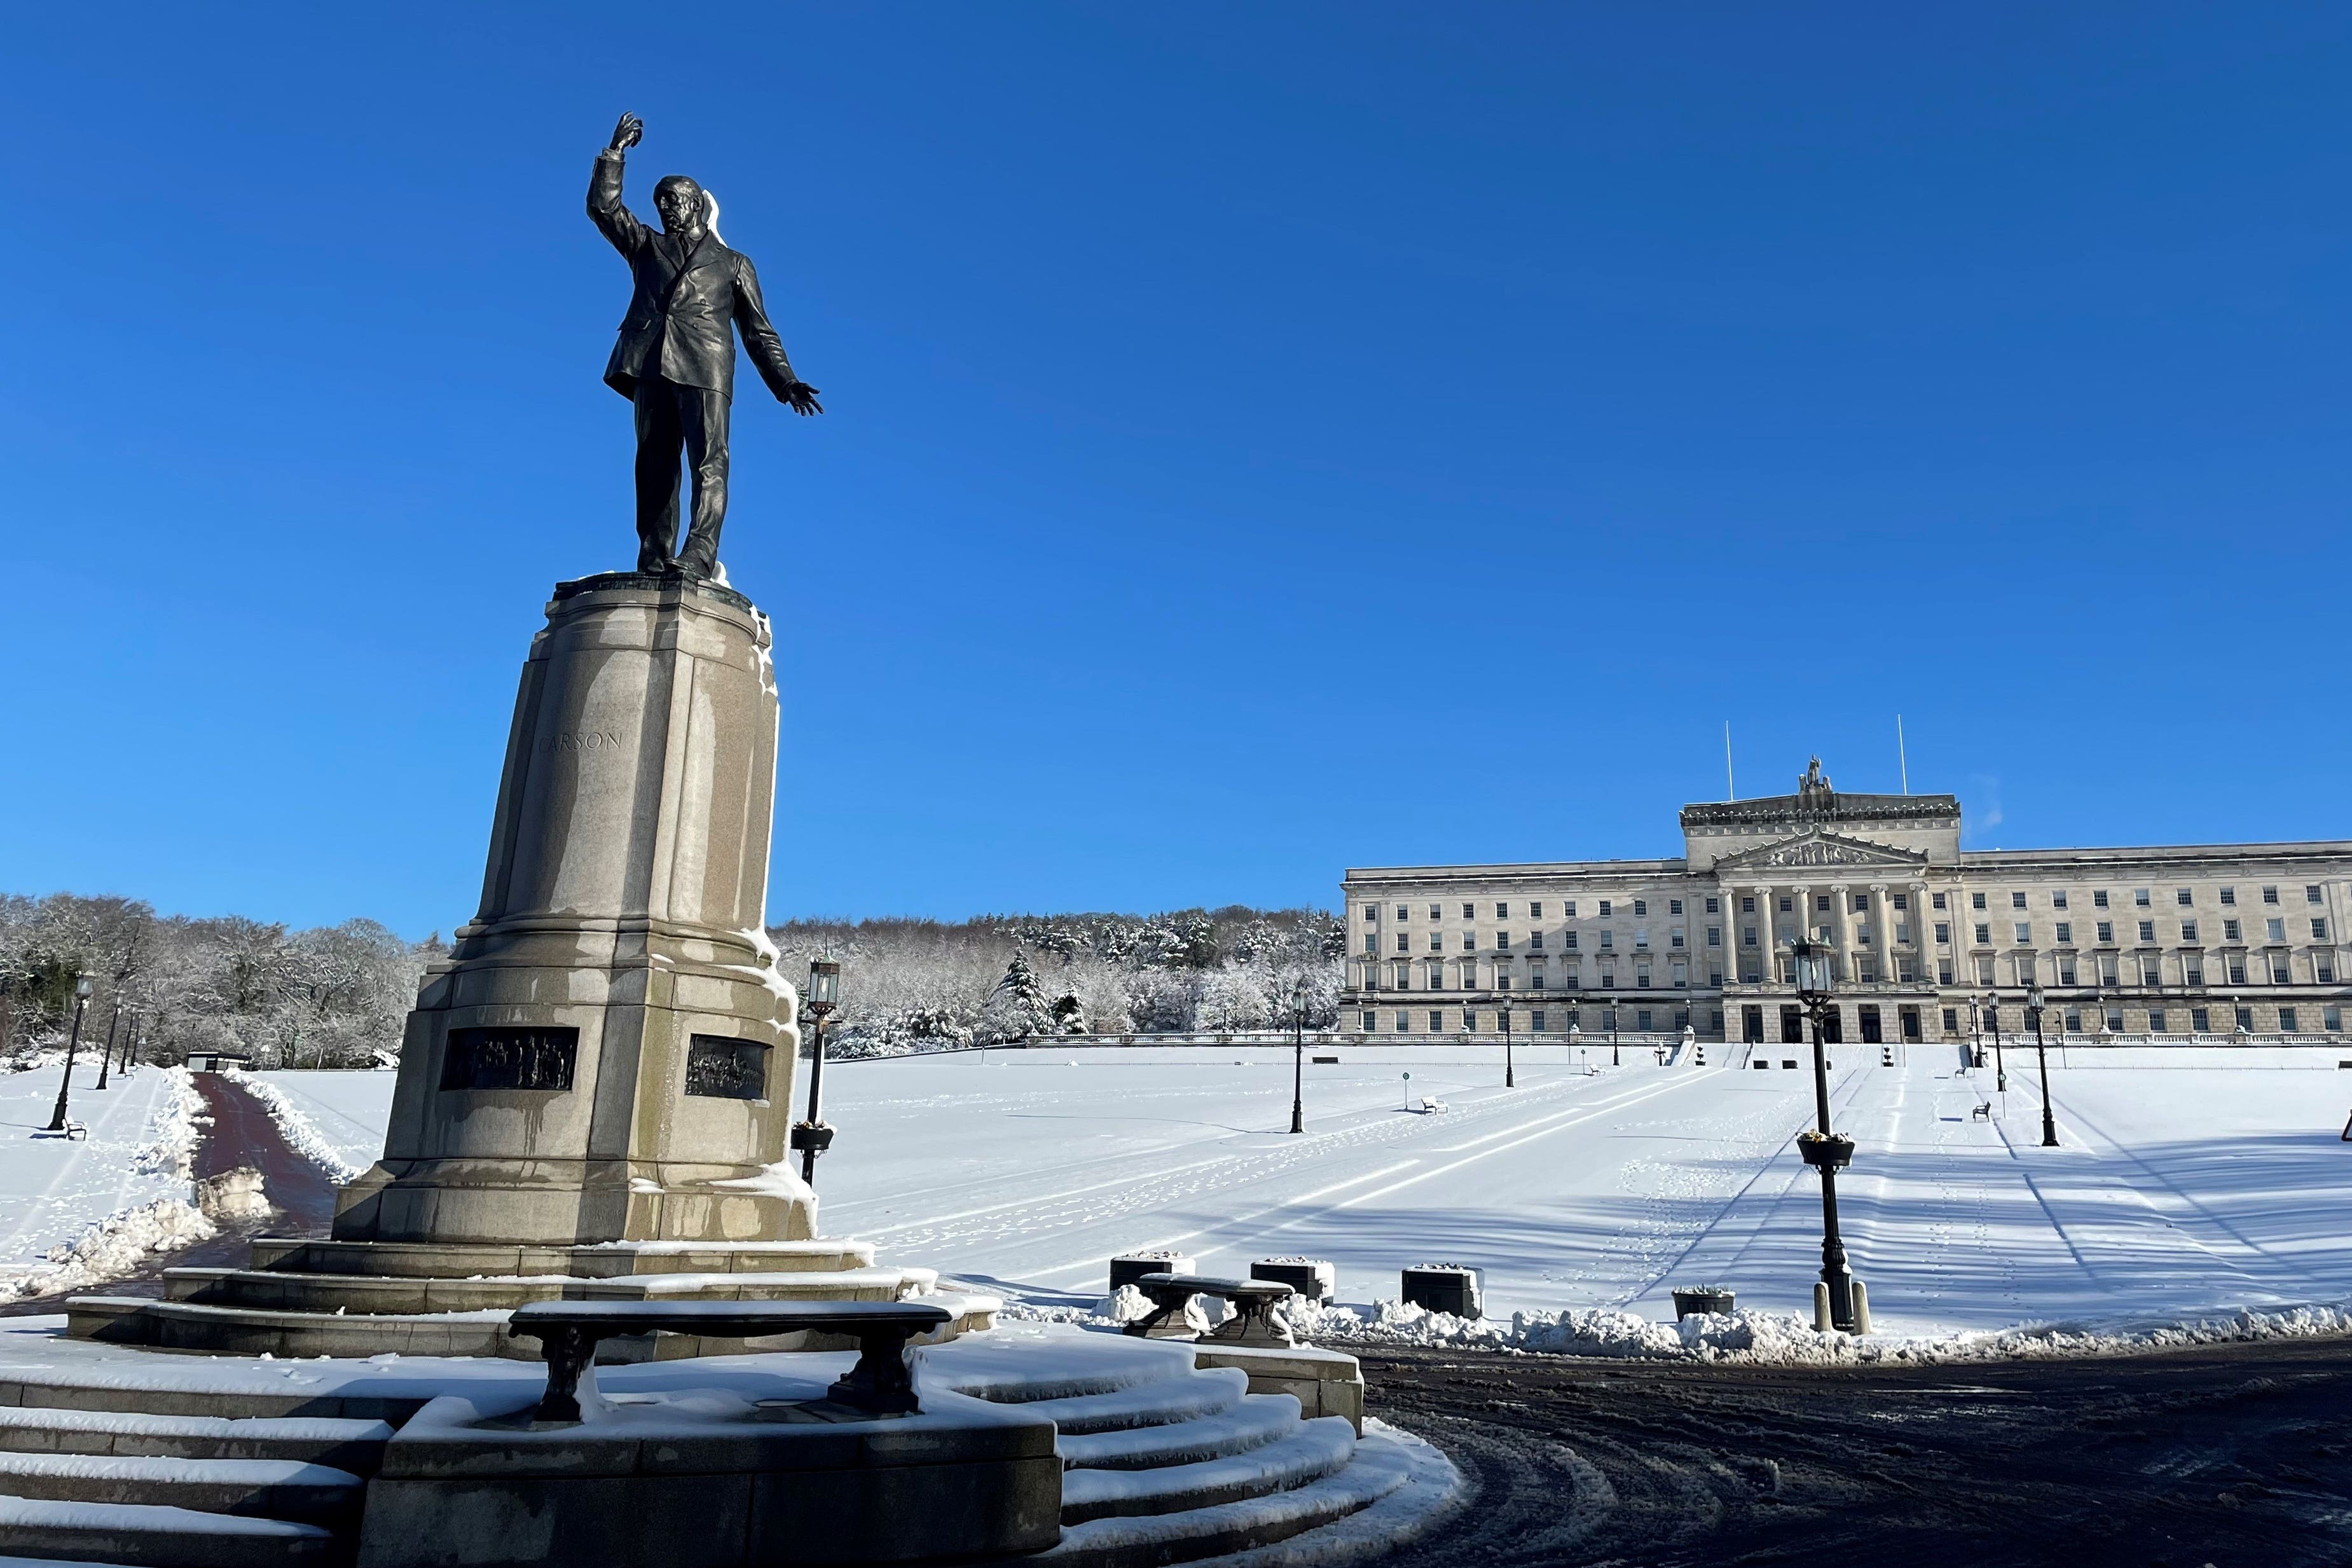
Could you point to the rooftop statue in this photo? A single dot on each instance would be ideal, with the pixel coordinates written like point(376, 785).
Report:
point(676, 357)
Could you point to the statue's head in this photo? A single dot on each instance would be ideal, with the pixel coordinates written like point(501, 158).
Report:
point(683, 204)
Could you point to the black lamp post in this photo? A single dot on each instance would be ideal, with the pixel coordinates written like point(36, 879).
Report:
point(81, 1000)
point(1299, 1056)
point(812, 1137)
point(1976, 1034)
point(2033, 1003)
point(2000, 1063)
point(1510, 1079)
point(107, 1060)
point(1825, 1150)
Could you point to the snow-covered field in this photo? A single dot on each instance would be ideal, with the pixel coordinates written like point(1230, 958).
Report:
point(114, 1194)
point(2191, 1181)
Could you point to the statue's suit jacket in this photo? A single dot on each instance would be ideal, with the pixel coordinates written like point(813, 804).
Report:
point(678, 317)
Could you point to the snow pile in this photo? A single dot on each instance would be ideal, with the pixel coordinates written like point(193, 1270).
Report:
point(178, 1128)
point(113, 1247)
point(300, 1131)
point(1785, 1338)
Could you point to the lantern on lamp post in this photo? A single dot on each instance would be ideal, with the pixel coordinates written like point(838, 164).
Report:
point(812, 1137)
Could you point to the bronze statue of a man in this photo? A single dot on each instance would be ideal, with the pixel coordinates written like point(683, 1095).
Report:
point(676, 357)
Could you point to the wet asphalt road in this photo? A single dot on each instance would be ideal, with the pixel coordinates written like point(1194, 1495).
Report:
point(2236, 1456)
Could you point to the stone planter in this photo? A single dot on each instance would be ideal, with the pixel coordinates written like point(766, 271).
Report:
point(1692, 1300)
point(1834, 1153)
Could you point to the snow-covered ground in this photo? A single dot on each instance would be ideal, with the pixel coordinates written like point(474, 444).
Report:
point(2190, 1182)
point(98, 1202)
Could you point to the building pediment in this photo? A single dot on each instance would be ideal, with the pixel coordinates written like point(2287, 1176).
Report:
point(1816, 847)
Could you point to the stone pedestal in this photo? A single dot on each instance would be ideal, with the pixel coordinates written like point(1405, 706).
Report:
point(608, 1054)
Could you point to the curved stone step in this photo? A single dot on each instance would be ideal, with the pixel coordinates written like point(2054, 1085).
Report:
point(280, 1290)
point(1253, 1423)
point(253, 1331)
point(1007, 1368)
point(1317, 1448)
point(597, 1260)
point(354, 1446)
point(150, 1535)
point(1134, 1541)
point(1432, 1492)
point(269, 1488)
point(1202, 1394)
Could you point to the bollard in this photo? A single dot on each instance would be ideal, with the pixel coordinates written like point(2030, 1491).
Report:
point(1861, 1308)
point(1821, 1306)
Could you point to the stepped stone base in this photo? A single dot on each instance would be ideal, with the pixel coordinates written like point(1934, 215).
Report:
point(304, 1298)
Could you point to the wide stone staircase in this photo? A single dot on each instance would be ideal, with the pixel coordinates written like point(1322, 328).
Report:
point(1167, 1463)
point(307, 1298)
point(99, 1472)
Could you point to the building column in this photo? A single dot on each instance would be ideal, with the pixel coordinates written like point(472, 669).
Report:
point(1882, 922)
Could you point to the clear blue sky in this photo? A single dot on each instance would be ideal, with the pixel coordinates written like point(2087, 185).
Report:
point(1260, 439)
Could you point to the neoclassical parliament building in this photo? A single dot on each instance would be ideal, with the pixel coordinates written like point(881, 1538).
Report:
point(1932, 942)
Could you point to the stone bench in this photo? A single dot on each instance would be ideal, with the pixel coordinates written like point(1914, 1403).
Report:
point(571, 1331)
point(1254, 1300)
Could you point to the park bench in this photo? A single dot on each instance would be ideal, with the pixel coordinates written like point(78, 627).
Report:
point(1254, 1300)
point(570, 1332)
point(1983, 1111)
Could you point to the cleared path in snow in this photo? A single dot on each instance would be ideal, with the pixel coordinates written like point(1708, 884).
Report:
point(53, 1188)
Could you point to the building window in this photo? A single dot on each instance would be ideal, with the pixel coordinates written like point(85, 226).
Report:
point(1673, 907)
point(2025, 969)
point(1821, 904)
point(2106, 931)
point(1534, 979)
point(1502, 979)
point(1436, 942)
point(1984, 935)
point(1641, 977)
point(1902, 933)
point(1469, 941)
point(2280, 973)
point(2185, 897)
point(1642, 1019)
point(1747, 903)
point(2114, 1020)
point(2192, 969)
point(1861, 903)
point(2108, 970)
point(2023, 930)
point(2074, 1023)
point(1679, 974)
point(1437, 977)
point(2269, 895)
point(1787, 904)
point(1404, 943)
point(2140, 897)
point(1371, 942)
point(2237, 969)
point(1640, 906)
point(1608, 939)
point(1937, 899)
point(2156, 1020)
point(2189, 930)
point(1404, 1023)
point(1536, 1020)
point(1714, 936)
point(1437, 911)
point(2099, 899)
point(1984, 972)
point(2058, 899)
point(2323, 968)
point(1865, 968)
point(1437, 1021)
point(2318, 928)
point(1748, 936)
point(1371, 1022)
point(1502, 941)
point(1976, 900)
point(2147, 930)
point(2017, 901)
point(2230, 931)
point(1608, 979)
point(1535, 940)
point(1901, 902)
point(1604, 909)
point(2065, 970)
point(2332, 1020)
point(2276, 929)
point(2065, 931)
point(1676, 940)
point(2286, 1021)
point(2200, 1020)
point(1535, 912)
point(1943, 972)
point(1570, 910)
point(2151, 970)
point(2229, 898)
point(1568, 939)
point(1502, 912)
point(1372, 912)
point(2246, 1019)
point(1951, 1020)
point(1711, 906)
point(1469, 911)
point(1943, 934)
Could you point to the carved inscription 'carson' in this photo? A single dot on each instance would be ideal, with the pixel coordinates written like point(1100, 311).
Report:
point(584, 741)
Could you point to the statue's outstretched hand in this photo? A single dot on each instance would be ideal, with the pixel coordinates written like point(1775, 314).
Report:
point(626, 134)
point(802, 397)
